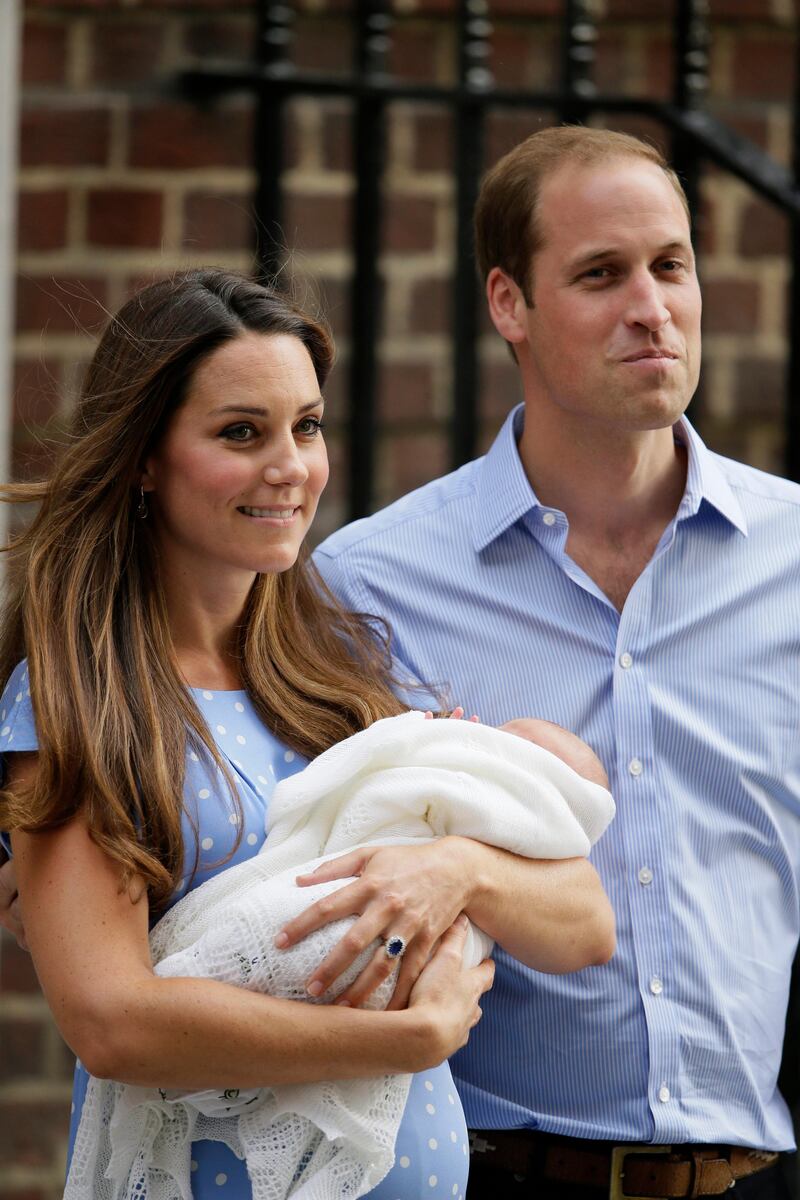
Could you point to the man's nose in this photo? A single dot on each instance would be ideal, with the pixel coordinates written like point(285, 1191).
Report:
point(645, 303)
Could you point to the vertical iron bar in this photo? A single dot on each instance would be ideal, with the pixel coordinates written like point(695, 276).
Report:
point(274, 41)
point(792, 412)
point(475, 80)
point(372, 44)
point(578, 54)
point(690, 85)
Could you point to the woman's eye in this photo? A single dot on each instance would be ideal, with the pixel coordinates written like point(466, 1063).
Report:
point(310, 426)
point(243, 432)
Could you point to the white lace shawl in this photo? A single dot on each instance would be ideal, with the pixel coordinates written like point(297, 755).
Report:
point(405, 779)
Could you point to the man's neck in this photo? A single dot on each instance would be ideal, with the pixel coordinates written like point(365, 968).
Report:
point(618, 490)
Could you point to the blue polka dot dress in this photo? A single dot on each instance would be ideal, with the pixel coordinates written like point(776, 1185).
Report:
point(431, 1159)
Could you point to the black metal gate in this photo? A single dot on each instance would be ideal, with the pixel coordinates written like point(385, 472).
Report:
point(696, 137)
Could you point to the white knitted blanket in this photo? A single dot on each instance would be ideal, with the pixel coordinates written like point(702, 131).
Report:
point(403, 780)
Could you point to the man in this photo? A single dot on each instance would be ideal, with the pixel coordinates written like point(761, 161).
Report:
point(602, 569)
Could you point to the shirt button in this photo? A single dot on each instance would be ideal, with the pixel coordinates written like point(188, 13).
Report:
point(549, 518)
point(663, 1093)
point(645, 876)
point(625, 660)
point(656, 986)
point(635, 767)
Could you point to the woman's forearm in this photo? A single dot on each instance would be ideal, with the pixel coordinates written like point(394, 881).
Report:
point(89, 941)
point(195, 1034)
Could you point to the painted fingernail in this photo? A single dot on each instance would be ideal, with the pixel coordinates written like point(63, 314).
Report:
point(315, 988)
point(282, 940)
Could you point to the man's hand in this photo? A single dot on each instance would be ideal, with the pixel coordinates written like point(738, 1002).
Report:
point(10, 914)
point(414, 892)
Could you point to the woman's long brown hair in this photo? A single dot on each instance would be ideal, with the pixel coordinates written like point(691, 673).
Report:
point(113, 714)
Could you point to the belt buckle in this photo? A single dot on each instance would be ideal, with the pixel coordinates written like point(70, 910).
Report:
point(618, 1156)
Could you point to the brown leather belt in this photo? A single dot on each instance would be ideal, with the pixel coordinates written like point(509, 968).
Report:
point(629, 1170)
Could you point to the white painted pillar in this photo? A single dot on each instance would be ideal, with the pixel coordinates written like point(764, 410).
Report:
point(10, 49)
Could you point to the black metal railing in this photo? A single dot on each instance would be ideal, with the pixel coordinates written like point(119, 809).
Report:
point(696, 137)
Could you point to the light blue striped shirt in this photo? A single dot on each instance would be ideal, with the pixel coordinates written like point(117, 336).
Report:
point(691, 697)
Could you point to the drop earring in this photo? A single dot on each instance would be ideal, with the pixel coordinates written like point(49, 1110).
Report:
point(141, 508)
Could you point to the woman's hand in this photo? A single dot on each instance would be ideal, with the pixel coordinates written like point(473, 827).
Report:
point(413, 892)
point(452, 991)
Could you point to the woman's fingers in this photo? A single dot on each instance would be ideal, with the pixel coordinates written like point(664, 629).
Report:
point(381, 920)
point(415, 959)
point(411, 892)
point(485, 976)
point(350, 946)
point(381, 967)
point(343, 867)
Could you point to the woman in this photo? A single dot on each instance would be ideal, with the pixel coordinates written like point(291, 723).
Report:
point(168, 655)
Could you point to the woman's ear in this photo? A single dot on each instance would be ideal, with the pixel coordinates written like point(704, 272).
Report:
point(506, 306)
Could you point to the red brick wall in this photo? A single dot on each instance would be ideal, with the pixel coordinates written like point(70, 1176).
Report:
point(120, 181)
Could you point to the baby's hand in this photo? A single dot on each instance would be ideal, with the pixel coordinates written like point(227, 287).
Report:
point(455, 715)
point(458, 713)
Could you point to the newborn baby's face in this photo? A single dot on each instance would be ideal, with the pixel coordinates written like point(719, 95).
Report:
point(565, 745)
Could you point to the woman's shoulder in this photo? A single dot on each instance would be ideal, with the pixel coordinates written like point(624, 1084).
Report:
point(17, 725)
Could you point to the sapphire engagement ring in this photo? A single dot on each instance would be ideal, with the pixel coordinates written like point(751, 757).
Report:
point(394, 946)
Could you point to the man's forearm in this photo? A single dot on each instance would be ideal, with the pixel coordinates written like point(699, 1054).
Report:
point(553, 915)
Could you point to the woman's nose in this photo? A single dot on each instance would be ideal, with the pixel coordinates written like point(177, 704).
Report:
point(284, 465)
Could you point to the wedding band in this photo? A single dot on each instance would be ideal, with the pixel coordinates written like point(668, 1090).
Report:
point(394, 946)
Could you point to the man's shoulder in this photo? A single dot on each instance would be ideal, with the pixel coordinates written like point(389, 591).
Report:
point(435, 504)
point(754, 485)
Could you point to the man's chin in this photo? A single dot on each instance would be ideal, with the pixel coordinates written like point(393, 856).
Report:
point(659, 409)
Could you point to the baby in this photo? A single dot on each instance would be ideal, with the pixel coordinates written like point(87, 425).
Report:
point(530, 787)
point(567, 746)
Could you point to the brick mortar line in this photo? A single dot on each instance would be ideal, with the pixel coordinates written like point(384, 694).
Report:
point(13, 1178)
point(766, 344)
point(773, 309)
point(720, 396)
point(106, 262)
point(132, 94)
point(756, 269)
point(24, 1005)
point(27, 1090)
point(134, 178)
point(404, 182)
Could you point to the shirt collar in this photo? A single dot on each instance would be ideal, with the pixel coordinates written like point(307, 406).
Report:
point(705, 480)
point(504, 492)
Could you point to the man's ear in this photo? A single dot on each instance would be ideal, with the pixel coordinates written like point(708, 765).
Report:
point(507, 306)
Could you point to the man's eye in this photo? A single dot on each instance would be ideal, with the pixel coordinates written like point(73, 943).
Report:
point(671, 265)
point(242, 432)
point(597, 273)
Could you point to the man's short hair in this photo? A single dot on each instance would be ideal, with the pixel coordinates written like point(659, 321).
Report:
point(507, 234)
